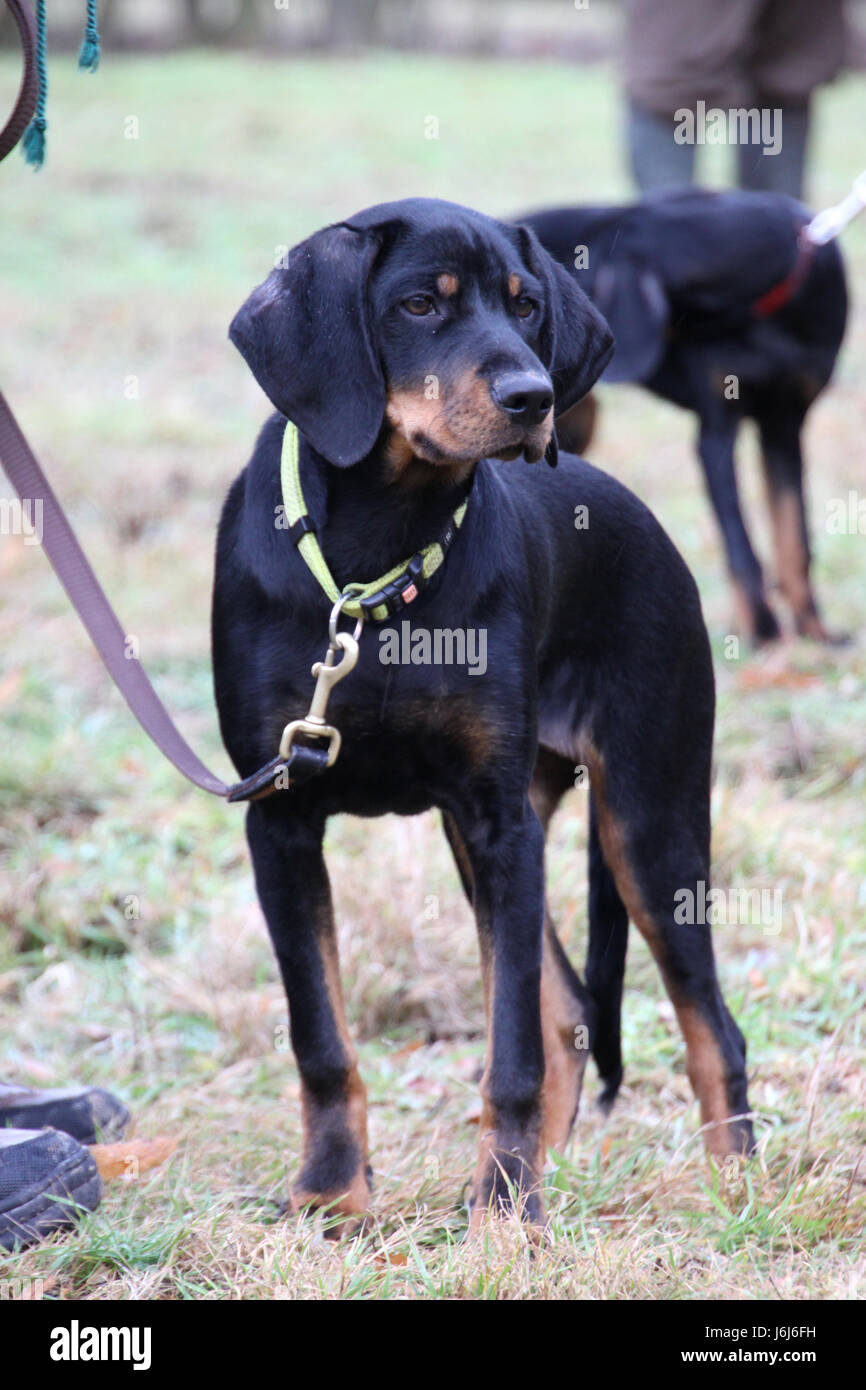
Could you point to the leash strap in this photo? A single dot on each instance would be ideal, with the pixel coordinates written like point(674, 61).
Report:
point(380, 598)
point(828, 224)
point(93, 608)
point(25, 105)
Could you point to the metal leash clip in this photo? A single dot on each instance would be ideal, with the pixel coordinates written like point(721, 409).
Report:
point(327, 674)
point(828, 224)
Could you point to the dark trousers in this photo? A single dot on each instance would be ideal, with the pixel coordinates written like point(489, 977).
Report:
point(658, 162)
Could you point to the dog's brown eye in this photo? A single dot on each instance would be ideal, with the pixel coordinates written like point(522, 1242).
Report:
point(419, 304)
point(524, 306)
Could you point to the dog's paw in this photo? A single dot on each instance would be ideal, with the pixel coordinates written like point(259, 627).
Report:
point(344, 1209)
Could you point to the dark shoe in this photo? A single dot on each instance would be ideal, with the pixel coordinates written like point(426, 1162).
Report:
point(46, 1179)
point(90, 1115)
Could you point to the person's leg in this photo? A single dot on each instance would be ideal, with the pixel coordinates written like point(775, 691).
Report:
point(782, 172)
point(657, 161)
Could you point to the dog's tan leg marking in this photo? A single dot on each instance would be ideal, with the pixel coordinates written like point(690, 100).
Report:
point(704, 1061)
point(791, 552)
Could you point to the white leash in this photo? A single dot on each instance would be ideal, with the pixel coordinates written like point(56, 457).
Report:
point(828, 224)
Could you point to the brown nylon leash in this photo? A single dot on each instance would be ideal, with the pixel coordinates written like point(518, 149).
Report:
point(87, 595)
point(25, 105)
point(73, 568)
point(91, 603)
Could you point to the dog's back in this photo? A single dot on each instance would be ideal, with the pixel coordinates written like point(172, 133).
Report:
point(694, 264)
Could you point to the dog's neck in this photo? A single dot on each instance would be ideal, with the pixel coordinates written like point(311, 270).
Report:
point(372, 516)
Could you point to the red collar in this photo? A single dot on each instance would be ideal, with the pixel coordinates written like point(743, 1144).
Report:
point(779, 295)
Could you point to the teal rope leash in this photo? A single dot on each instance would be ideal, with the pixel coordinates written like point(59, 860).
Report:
point(88, 56)
point(33, 143)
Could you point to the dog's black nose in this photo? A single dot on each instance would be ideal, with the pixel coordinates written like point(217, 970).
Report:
point(525, 396)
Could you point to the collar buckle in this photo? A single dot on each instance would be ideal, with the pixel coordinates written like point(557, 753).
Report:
point(398, 593)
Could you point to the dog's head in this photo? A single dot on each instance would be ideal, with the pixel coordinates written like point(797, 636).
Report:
point(455, 334)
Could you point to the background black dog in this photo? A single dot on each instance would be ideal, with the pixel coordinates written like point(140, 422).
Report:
point(716, 306)
point(417, 347)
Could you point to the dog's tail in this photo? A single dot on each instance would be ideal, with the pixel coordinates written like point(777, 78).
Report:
point(605, 964)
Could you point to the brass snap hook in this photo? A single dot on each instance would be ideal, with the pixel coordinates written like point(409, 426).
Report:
point(328, 673)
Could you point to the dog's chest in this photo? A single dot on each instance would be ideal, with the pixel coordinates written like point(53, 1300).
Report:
point(411, 735)
point(419, 732)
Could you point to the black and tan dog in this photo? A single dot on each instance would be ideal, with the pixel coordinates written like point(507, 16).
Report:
point(418, 348)
point(719, 304)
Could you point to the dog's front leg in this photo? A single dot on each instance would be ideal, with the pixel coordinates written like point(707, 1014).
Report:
point(507, 858)
point(295, 895)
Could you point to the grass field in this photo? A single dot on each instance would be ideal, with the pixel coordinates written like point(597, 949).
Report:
point(133, 954)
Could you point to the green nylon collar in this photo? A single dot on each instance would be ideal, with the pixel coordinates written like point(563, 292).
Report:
point(430, 558)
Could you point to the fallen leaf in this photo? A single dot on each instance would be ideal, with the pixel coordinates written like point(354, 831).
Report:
point(392, 1258)
point(132, 1157)
point(765, 678)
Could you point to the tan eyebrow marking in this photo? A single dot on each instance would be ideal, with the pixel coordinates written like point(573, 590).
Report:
point(447, 283)
point(514, 285)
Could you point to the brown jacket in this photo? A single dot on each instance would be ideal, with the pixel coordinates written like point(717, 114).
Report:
point(730, 53)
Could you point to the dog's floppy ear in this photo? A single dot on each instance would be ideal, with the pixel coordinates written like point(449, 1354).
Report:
point(305, 335)
point(576, 343)
point(633, 300)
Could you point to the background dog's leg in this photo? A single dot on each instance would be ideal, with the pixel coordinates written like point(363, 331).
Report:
point(780, 423)
point(605, 963)
point(718, 432)
point(504, 870)
point(295, 895)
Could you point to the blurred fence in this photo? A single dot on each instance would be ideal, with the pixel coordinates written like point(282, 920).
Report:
point(581, 30)
point(584, 29)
